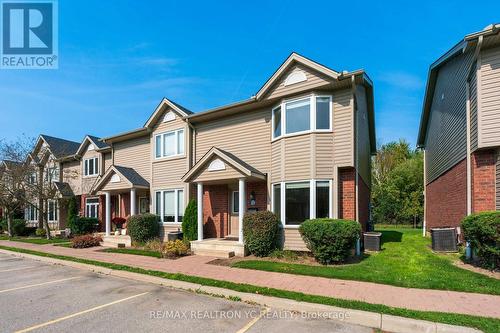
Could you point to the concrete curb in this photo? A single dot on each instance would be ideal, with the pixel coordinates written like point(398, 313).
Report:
point(363, 318)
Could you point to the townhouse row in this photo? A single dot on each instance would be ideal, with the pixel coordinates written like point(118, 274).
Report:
point(301, 147)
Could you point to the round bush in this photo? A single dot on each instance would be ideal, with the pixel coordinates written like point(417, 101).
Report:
point(190, 222)
point(18, 227)
point(482, 231)
point(83, 225)
point(40, 232)
point(329, 240)
point(261, 232)
point(143, 227)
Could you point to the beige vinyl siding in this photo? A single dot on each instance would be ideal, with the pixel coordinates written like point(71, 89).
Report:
point(277, 164)
point(498, 181)
point(324, 155)
point(297, 157)
point(343, 127)
point(134, 153)
point(293, 240)
point(89, 181)
point(72, 174)
point(108, 161)
point(363, 136)
point(246, 135)
point(489, 98)
point(167, 172)
point(446, 139)
point(314, 80)
point(473, 110)
point(122, 184)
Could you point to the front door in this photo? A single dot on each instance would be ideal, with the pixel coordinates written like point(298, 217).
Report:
point(233, 212)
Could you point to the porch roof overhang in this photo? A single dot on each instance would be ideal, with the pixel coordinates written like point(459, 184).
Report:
point(242, 169)
point(64, 189)
point(127, 178)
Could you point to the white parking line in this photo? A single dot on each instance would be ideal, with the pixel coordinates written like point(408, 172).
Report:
point(253, 321)
point(16, 269)
point(38, 284)
point(79, 313)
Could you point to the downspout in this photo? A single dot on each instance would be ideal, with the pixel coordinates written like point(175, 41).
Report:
point(468, 114)
point(425, 197)
point(356, 158)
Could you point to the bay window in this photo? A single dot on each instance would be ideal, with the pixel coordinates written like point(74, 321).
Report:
point(309, 114)
point(297, 201)
point(169, 205)
point(169, 144)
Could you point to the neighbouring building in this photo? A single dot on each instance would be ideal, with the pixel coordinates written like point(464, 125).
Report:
point(460, 131)
point(300, 147)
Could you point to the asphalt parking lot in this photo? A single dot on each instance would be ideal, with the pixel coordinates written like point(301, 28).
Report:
point(40, 297)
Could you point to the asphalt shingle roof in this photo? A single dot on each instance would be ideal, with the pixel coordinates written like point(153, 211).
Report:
point(132, 176)
point(61, 147)
point(99, 144)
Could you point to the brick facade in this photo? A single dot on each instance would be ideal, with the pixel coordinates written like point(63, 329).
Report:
point(446, 198)
point(260, 190)
point(215, 211)
point(483, 180)
point(347, 193)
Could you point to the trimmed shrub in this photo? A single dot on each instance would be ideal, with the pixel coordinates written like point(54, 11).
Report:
point(40, 232)
point(261, 232)
point(84, 225)
point(84, 241)
point(482, 231)
point(173, 249)
point(329, 240)
point(190, 222)
point(18, 228)
point(143, 227)
point(3, 226)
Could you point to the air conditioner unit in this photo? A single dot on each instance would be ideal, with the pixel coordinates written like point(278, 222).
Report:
point(444, 239)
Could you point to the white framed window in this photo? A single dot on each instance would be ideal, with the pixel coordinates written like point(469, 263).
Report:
point(169, 205)
point(31, 213)
point(91, 167)
point(296, 201)
point(51, 174)
point(235, 202)
point(169, 144)
point(52, 211)
point(302, 115)
point(92, 207)
point(32, 178)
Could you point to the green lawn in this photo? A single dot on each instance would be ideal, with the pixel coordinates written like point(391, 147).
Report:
point(487, 325)
point(405, 261)
point(38, 240)
point(138, 252)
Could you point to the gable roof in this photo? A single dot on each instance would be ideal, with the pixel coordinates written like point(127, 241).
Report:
point(60, 148)
point(129, 174)
point(229, 158)
point(165, 102)
point(288, 63)
point(462, 46)
point(100, 145)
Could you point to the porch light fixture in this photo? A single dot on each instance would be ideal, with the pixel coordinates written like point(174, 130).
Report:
point(252, 198)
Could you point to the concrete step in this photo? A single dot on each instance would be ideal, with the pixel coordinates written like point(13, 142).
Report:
point(116, 241)
point(214, 253)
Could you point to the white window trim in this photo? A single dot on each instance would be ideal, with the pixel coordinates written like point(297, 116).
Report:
point(162, 143)
point(87, 210)
point(312, 198)
point(56, 211)
point(312, 100)
point(176, 203)
point(96, 167)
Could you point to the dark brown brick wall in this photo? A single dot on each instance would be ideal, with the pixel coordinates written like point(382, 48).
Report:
point(260, 189)
point(446, 198)
point(483, 180)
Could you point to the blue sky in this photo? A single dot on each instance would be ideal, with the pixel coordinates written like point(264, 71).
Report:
point(119, 58)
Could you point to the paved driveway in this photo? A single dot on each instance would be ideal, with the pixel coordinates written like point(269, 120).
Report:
point(40, 297)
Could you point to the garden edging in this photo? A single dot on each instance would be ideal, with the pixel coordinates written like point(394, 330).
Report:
point(364, 318)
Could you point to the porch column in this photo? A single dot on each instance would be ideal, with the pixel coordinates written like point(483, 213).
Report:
point(108, 213)
point(200, 211)
point(132, 201)
point(242, 208)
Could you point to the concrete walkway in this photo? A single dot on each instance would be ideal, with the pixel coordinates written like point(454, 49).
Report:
point(409, 298)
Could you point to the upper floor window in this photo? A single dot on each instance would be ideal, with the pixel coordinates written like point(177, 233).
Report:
point(91, 166)
point(313, 113)
point(32, 178)
point(51, 174)
point(169, 144)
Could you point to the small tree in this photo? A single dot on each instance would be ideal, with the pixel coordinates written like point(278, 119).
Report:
point(72, 212)
point(190, 221)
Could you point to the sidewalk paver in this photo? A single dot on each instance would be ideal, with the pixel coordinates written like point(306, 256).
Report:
point(409, 298)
